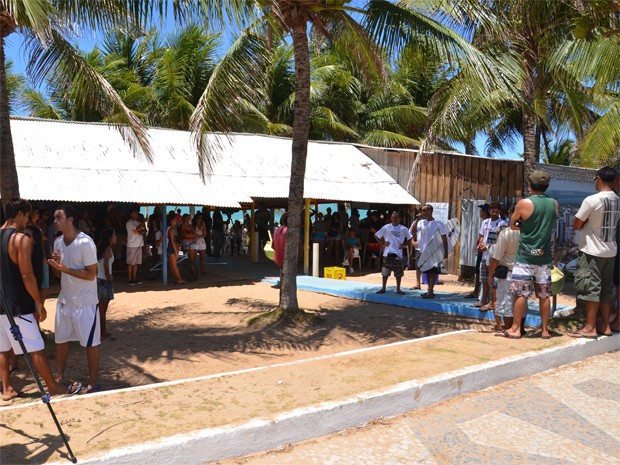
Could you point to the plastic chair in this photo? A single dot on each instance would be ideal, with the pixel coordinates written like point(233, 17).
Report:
point(357, 257)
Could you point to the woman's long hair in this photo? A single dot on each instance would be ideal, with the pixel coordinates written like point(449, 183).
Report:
point(104, 241)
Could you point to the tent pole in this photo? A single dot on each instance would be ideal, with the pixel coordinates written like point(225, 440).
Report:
point(253, 241)
point(164, 247)
point(307, 236)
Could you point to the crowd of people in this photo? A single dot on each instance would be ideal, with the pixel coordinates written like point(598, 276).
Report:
point(514, 248)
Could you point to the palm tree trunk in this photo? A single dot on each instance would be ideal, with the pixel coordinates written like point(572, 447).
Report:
point(9, 184)
point(531, 150)
point(301, 125)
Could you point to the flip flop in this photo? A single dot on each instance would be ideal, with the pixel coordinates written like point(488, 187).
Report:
point(400, 292)
point(416, 288)
point(92, 389)
point(486, 308)
point(507, 335)
point(581, 336)
point(477, 305)
point(428, 296)
point(74, 388)
point(545, 337)
point(381, 291)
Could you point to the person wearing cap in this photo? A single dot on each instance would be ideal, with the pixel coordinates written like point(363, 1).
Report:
point(486, 237)
point(484, 214)
point(535, 217)
point(597, 218)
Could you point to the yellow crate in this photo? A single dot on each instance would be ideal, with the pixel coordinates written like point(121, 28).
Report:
point(334, 272)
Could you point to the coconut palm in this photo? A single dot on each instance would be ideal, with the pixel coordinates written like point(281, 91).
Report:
point(530, 39)
point(48, 27)
point(389, 23)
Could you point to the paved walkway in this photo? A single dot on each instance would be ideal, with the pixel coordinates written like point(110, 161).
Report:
point(570, 415)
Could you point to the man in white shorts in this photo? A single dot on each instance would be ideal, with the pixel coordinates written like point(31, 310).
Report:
point(135, 243)
point(500, 273)
point(21, 295)
point(77, 319)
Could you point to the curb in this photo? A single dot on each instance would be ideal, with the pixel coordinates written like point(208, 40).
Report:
point(259, 435)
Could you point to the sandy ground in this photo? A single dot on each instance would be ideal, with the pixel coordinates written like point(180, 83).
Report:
point(164, 334)
point(175, 333)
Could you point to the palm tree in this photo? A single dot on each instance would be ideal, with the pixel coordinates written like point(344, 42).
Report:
point(48, 28)
point(530, 40)
point(389, 22)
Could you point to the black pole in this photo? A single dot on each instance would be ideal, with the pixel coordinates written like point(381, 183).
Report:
point(45, 397)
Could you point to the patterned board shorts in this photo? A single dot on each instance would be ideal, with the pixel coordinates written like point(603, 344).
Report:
point(484, 272)
point(522, 276)
point(392, 262)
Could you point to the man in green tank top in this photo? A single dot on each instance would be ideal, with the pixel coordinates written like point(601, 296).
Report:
point(535, 217)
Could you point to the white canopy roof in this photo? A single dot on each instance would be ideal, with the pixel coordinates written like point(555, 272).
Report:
point(90, 162)
point(261, 166)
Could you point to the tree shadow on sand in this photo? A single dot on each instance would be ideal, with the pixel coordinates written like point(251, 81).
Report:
point(150, 337)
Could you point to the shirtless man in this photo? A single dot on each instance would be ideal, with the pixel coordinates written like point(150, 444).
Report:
point(21, 295)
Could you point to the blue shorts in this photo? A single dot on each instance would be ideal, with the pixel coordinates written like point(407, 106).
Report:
point(105, 290)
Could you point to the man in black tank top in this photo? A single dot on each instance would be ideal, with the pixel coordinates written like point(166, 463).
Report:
point(21, 295)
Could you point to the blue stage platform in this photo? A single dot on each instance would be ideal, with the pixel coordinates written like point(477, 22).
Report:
point(444, 302)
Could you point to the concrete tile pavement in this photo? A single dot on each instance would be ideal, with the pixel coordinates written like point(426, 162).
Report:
point(569, 415)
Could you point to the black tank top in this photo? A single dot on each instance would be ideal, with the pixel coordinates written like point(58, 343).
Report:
point(15, 294)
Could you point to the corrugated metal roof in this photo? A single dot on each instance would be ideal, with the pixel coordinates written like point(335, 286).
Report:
point(58, 160)
point(334, 171)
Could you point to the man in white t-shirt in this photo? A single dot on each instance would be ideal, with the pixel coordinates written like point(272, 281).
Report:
point(426, 229)
point(598, 219)
point(394, 238)
point(135, 243)
point(486, 237)
point(75, 261)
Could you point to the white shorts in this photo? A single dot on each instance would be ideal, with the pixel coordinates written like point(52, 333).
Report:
point(77, 324)
point(504, 299)
point(134, 255)
point(199, 244)
point(30, 334)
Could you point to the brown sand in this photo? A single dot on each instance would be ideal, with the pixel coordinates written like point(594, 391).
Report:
point(179, 333)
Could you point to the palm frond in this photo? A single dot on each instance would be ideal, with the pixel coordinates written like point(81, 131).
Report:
point(63, 64)
point(602, 143)
point(237, 77)
point(381, 138)
point(37, 105)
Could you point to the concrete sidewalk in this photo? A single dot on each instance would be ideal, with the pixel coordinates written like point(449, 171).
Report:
point(273, 416)
point(566, 416)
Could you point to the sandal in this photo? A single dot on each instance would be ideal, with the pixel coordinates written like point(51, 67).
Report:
point(74, 388)
point(487, 307)
point(92, 389)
